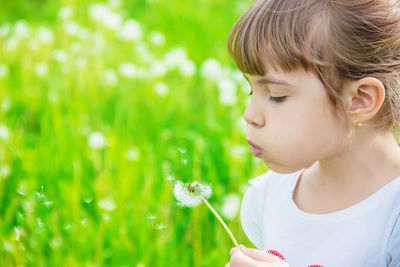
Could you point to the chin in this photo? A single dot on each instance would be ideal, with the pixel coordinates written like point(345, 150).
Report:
point(282, 169)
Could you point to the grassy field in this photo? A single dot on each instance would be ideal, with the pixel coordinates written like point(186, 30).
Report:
point(103, 106)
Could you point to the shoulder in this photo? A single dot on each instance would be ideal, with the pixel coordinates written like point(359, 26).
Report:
point(272, 181)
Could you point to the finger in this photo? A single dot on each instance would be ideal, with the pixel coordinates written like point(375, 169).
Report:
point(233, 250)
point(260, 255)
point(238, 259)
point(228, 265)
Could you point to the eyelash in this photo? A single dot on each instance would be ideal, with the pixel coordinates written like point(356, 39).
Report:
point(274, 99)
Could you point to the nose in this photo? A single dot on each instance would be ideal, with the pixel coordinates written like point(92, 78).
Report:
point(253, 114)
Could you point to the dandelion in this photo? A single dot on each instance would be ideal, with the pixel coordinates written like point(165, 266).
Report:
point(97, 141)
point(65, 13)
point(45, 35)
point(5, 171)
point(71, 28)
point(211, 69)
point(5, 29)
point(130, 31)
point(110, 77)
point(22, 29)
point(107, 204)
point(231, 206)
point(157, 38)
point(60, 55)
point(3, 70)
point(4, 132)
point(127, 69)
point(161, 88)
point(187, 68)
point(132, 154)
point(41, 69)
point(193, 194)
point(227, 90)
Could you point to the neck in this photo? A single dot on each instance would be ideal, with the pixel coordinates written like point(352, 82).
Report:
point(367, 158)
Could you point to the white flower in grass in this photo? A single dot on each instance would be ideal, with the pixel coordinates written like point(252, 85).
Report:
point(132, 154)
point(41, 69)
point(45, 35)
point(5, 171)
point(175, 56)
point(71, 28)
point(97, 141)
point(191, 194)
point(130, 31)
point(227, 90)
point(161, 88)
point(22, 29)
point(5, 29)
point(11, 44)
point(65, 13)
point(187, 68)
point(114, 3)
point(60, 55)
point(231, 206)
point(3, 70)
point(4, 132)
point(107, 204)
point(211, 69)
point(127, 69)
point(101, 13)
point(157, 68)
point(110, 77)
point(81, 62)
point(157, 38)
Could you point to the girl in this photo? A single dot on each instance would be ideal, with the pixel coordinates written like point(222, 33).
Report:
point(325, 100)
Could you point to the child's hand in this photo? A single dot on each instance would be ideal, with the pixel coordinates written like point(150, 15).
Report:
point(250, 257)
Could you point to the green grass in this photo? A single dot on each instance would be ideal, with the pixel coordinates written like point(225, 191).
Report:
point(65, 203)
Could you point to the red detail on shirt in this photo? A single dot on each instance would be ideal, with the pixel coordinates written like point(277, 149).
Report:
point(276, 253)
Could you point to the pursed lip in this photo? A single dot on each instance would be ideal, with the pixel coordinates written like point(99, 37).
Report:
point(254, 148)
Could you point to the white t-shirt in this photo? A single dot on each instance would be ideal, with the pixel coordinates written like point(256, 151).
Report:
point(365, 234)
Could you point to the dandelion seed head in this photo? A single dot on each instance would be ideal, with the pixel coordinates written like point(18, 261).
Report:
point(22, 29)
point(231, 206)
point(132, 154)
point(41, 69)
point(157, 38)
point(161, 88)
point(127, 69)
point(107, 204)
point(97, 141)
point(130, 31)
point(4, 132)
point(191, 194)
point(187, 68)
point(60, 55)
point(5, 171)
point(211, 69)
point(65, 13)
point(3, 70)
point(45, 35)
point(110, 77)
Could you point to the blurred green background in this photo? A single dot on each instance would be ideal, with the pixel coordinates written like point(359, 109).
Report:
point(103, 106)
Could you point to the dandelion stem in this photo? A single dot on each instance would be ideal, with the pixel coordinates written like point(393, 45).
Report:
point(222, 222)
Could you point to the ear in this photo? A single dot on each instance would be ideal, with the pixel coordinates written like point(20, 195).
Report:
point(365, 98)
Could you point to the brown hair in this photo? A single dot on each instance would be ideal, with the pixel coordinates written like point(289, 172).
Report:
point(336, 39)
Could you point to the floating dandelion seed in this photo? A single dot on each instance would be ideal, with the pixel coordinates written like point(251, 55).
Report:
point(193, 194)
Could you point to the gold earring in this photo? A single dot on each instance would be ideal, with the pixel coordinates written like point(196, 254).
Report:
point(357, 124)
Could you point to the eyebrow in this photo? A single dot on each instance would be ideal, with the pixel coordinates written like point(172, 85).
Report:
point(266, 80)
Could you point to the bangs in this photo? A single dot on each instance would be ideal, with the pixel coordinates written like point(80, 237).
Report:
point(285, 35)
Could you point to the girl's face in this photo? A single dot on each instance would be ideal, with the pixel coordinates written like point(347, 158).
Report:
point(290, 120)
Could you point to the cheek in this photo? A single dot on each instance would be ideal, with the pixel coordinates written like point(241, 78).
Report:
point(307, 135)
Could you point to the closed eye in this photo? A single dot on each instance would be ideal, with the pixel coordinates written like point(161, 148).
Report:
point(277, 99)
